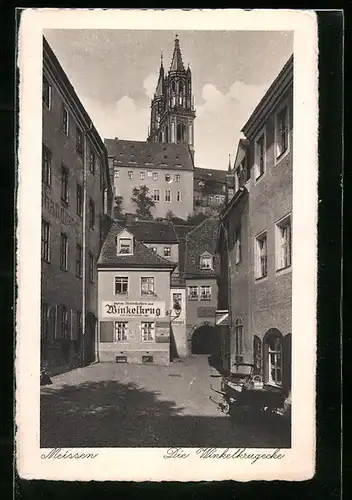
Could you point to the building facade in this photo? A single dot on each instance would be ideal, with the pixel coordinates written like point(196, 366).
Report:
point(165, 169)
point(201, 267)
point(134, 301)
point(255, 242)
point(209, 190)
point(76, 206)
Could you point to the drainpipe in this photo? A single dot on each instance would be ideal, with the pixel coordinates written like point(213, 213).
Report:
point(84, 249)
point(228, 290)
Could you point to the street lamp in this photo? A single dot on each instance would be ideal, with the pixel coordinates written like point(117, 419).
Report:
point(177, 309)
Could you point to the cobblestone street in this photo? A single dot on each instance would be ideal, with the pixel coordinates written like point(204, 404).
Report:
point(121, 405)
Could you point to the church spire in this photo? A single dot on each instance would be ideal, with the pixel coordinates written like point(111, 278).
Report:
point(177, 63)
point(159, 91)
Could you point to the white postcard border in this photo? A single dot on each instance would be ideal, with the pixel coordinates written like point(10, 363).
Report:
point(148, 464)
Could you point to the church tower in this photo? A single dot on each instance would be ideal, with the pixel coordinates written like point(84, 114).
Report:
point(172, 107)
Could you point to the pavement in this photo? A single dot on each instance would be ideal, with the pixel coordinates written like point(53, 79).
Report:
point(122, 405)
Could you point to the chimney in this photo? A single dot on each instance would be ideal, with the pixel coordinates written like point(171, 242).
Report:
point(129, 218)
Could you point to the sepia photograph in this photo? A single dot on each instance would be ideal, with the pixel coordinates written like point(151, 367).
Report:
point(167, 237)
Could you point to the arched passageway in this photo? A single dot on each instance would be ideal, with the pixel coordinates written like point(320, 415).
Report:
point(206, 340)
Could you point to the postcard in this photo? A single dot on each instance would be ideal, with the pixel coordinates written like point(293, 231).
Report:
point(167, 245)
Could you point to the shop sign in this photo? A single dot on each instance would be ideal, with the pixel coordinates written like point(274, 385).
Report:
point(136, 309)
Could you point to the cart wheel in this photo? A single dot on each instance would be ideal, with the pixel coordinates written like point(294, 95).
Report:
point(226, 407)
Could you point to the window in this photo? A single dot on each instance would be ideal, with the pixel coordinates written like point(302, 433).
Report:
point(156, 195)
point(176, 300)
point(44, 325)
point(154, 249)
point(167, 251)
point(91, 267)
point(241, 174)
point(79, 197)
point(63, 251)
point(205, 292)
point(239, 338)
point(155, 176)
point(45, 241)
point(64, 322)
point(79, 259)
point(130, 174)
point(148, 331)
point(91, 215)
point(281, 131)
point(206, 262)
point(46, 166)
point(121, 331)
point(121, 285)
point(116, 173)
point(79, 141)
point(149, 173)
point(217, 200)
point(273, 355)
point(64, 120)
point(261, 256)
point(125, 246)
point(260, 156)
point(46, 93)
point(147, 286)
point(167, 195)
point(92, 162)
point(283, 255)
point(238, 245)
point(192, 293)
point(167, 177)
point(177, 178)
point(142, 175)
point(178, 196)
point(64, 184)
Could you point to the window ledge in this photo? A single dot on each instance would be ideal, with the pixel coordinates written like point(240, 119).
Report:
point(282, 156)
point(261, 278)
point(284, 270)
point(259, 177)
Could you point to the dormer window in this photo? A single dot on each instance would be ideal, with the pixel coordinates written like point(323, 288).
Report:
point(125, 246)
point(206, 262)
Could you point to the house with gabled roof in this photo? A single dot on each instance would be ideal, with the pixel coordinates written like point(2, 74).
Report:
point(201, 267)
point(134, 300)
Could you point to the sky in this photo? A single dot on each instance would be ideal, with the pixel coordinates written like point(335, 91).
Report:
point(114, 73)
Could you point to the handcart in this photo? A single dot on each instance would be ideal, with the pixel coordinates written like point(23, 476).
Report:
point(246, 396)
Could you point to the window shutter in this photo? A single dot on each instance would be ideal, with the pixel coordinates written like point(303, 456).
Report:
point(257, 353)
point(57, 325)
point(286, 363)
point(265, 362)
point(73, 333)
point(106, 331)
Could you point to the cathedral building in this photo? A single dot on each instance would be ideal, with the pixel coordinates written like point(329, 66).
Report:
point(172, 108)
point(165, 161)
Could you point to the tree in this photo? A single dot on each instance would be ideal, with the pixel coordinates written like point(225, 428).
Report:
point(169, 215)
point(117, 210)
point(143, 201)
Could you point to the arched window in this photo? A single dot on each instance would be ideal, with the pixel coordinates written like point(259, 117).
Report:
point(273, 343)
point(180, 132)
point(239, 339)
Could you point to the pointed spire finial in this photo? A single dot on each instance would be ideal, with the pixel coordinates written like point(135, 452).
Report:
point(229, 167)
point(161, 58)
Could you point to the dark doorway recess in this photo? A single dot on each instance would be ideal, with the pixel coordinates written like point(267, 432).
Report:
point(205, 340)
